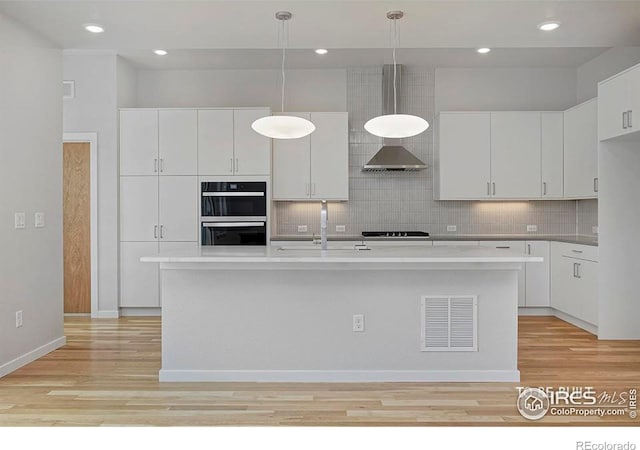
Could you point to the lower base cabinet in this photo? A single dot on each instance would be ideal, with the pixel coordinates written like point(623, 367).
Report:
point(517, 246)
point(537, 291)
point(574, 281)
point(140, 282)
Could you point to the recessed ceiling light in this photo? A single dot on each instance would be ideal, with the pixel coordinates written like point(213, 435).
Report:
point(483, 50)
point(93, 28)
point(322, 51)
point(160, 52)
point(549, 26)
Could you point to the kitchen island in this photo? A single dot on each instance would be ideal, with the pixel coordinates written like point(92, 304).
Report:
point(385, 313)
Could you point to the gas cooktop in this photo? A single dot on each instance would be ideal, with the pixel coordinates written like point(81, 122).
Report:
point(395, 234)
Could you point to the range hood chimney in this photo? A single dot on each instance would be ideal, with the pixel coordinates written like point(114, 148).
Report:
point(392, 157)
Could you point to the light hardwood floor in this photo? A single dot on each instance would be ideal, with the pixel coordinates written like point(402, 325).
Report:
point(107, 374)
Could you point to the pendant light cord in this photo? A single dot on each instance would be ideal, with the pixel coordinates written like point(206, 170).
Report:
point(395, 37)
point(285, 38)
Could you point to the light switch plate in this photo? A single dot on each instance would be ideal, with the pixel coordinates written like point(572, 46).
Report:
point(302, 228)
point(20, 220)
point(532, 228)
point(452, 227)
point(341, 228)
point(39, 219)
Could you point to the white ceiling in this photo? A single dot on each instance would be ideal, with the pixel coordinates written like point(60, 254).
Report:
point(217, 34)
point(341, 58)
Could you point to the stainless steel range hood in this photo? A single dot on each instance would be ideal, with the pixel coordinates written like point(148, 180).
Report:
point(392, 157)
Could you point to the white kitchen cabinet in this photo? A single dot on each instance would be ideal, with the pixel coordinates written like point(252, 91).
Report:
point(441, 243)
point(139, 142)
point(581, 151)
point(574, 281)
point(514, 246)
point(178, 142)
point(139, 208)
point(515, 154)
point(252, 151)
point(464, 155)
point(537, 275)
point(618, 102)
point(215, 142)
point(139, 287)
point(178, 209)
point(292, 166)
point(315, 166)
point(552, 154)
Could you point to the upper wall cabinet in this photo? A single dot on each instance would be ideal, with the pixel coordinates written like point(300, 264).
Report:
point(178, 132)
point(227, 145)
point(551, 146)
point(315, 167)
point(515, 154)
point(464, 155)
point(156, 142)
point(139, 142)
point(618, 102)
point(581, 151)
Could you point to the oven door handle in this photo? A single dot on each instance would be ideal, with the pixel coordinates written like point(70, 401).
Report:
point(231, 224)
point(233, 194)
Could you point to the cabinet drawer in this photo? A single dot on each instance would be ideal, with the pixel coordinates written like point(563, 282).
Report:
point(586, 252)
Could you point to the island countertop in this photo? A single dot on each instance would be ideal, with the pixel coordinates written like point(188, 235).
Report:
point(343, 254)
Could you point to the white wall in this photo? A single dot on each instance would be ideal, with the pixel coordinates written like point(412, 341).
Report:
point(127, 83)
point(602, 67)
point(463, 89)
point(30, 180)
point(306, 90)
point(94, 109)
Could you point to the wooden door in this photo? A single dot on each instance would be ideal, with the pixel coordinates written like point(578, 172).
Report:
point(77, 227)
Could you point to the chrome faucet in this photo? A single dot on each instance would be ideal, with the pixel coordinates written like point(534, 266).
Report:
point(324, 217)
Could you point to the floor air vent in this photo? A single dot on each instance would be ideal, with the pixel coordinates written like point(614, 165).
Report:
point(449, 323)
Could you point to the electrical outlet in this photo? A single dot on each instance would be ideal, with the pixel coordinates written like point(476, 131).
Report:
point(341, 228)
point(18, 319)
point(452, 228)
point(358, 322)
point(20, 220)
point(594, 230)
point(39, 219)
point(302, 228)
point(532, 228)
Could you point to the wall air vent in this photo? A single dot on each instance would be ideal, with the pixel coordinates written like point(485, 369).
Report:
point(449, 323)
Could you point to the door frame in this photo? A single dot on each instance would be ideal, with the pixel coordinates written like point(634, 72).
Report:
point(92, 139)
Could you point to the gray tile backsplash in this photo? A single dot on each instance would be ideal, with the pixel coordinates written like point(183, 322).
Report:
point(404, 200)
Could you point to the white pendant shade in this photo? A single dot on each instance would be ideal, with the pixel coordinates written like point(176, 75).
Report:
point(283, 127)
point(396, 126)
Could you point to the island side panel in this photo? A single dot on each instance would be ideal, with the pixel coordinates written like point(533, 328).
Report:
point(287, 325)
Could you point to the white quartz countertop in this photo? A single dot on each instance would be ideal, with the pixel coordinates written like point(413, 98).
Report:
point(396, 254)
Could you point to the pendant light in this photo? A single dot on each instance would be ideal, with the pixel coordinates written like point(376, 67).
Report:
point(283, 126)
point(396, 126)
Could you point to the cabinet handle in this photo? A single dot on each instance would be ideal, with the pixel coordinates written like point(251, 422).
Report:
point(488, 188)
point(575, 270)
point(155, 165)
point(306, 189)
point(624, 120)
point(494, 188)
point(630, 119)
point(544, 188)
point(595, 184)
point(155, 231)
point(237, 165)
point(161, 231)
point(231, 165)
point(313, 191)
point(578, 270)
point(161, 164)
point(576, 251)
point(529, 249)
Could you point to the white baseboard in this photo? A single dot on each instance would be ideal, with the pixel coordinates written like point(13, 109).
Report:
point(31, 356)
point(586, 326)
point(105, 315)
point(340, 376)
point(137, 312)
point(536, 311)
